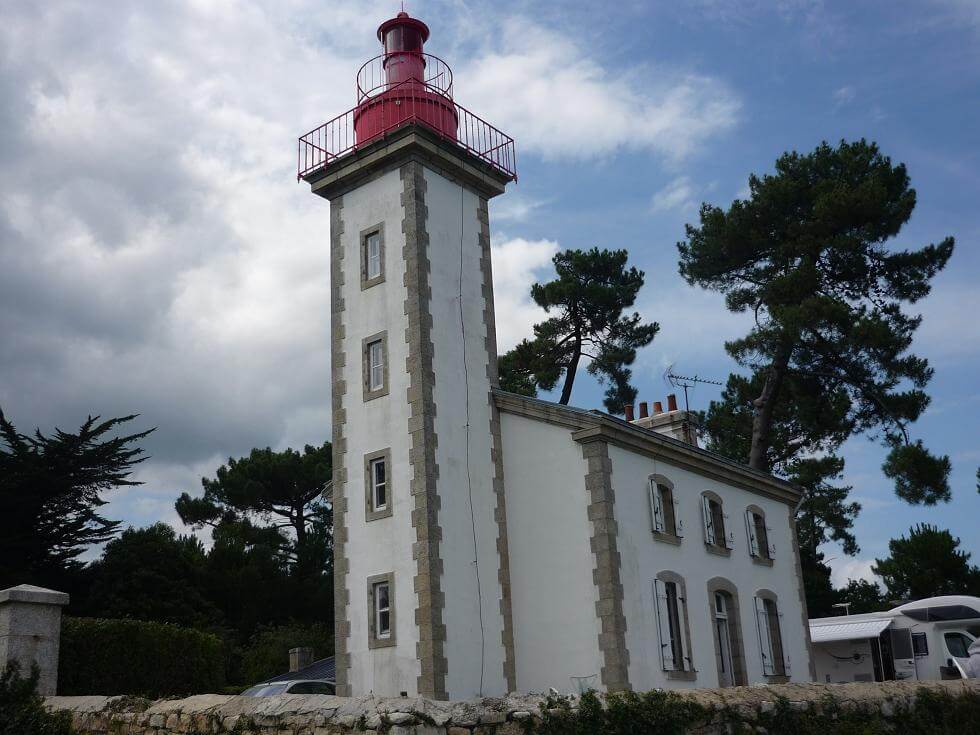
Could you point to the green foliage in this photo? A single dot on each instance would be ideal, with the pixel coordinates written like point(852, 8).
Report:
point(50, 492)
point(668, 713)
point(927, 563)
point(138, 657)
point(863, 597)
point(22, 710)
point(152, 574)
point(267, 654)
point(807, 254)
point(585, 304)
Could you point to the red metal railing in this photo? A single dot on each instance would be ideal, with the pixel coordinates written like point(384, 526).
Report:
point(374, 77)
point(402, 104)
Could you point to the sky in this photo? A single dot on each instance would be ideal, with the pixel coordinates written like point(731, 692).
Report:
point(158, 257)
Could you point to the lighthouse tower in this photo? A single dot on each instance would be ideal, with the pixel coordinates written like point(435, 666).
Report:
point(422, 590)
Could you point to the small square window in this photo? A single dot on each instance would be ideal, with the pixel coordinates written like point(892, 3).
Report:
point(377, 485)
point(372, 256)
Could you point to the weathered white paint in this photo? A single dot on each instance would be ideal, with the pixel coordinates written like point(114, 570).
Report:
point(643, 557)
point(461, 394)
point(552, 594)
point(383, 545)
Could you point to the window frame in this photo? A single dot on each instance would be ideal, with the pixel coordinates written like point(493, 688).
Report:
point(371, 511)
point(709, 522)
point(663, 508)
point(768, 619)
point(376, 640)
point(370, 393)
point(761, 550)
point(368, 281)
point(678, 626)
point(722, 585)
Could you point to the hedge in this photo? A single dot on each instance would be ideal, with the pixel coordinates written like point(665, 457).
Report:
point(668, 713)
point(154, 660)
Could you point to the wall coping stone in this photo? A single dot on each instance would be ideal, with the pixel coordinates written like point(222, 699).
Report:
point(292, 713)
point(36, 595)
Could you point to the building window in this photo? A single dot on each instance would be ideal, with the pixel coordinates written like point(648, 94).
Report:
point(775, 662)
point(716, 535)
point(729, 657)
point(663, 508)
point(378, 500)
point(375, 365)
point(758, 534)
point(381, 607)
point(672, 625)
point(372, 256)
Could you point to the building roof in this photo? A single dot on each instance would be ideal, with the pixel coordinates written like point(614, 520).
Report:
point(843, 630)
point(587, 424)
point(323, 670)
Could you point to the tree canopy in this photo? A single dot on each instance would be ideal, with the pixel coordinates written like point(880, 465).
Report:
point(807, 254)
point(585, 304)
point(51, 490)
point(927, 563)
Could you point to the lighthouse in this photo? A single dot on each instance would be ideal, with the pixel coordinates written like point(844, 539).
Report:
point(422, 590)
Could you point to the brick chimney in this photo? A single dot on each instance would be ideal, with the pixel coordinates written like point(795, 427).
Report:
point(300, 658)
point(674, 422)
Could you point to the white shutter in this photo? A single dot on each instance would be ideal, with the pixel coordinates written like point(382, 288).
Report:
point(750, 530)
point(765, 639)
point(656, 508)
point(709, 526)
point(772, 546)
point(730, 538)
point(687, 664)
point(678, 523)
point(663, 626)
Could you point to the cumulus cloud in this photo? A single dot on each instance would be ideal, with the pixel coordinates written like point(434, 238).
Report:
point(843, 570)
point(518, 263)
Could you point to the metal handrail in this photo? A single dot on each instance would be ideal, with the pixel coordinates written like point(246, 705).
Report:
point(336, 138)
point(372, 77)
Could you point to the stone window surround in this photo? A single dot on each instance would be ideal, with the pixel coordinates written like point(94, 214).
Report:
point(720, 584)
point(764, 557)
point(370, 514)
point(665, 536)
point(373, 640)
point(370, 395)
point(692, 673)
point(366, 282)
point(719, 549)
point(764, 594)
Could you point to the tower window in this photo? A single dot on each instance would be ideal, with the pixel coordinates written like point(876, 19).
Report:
point(372, 256)
point(381, 610)
point(377, 485)
point(375, 366)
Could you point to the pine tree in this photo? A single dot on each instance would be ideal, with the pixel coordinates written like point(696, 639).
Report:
point(927, 563)
point(807, 255)
point(586, 304)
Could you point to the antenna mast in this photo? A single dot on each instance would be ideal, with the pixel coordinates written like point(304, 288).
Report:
point(685, 382)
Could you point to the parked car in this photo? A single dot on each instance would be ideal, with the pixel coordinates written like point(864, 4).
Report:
point(271, 689)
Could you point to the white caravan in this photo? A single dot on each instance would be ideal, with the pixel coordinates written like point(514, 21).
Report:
point(925, 639)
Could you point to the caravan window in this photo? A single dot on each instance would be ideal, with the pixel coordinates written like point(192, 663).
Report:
point(957, 644)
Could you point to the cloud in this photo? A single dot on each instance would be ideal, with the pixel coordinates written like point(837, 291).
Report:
point(517, 263)
point(679, 195)
point(844, 569)
point(843, 96)
point(515, 207)
point(557, 100)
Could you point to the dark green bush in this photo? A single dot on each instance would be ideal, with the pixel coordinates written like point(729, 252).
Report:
point(22, 709)
point(667, 713)
point(138, 657)
point(267, 653)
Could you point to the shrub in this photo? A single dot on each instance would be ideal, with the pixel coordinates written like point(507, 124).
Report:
point(22, 709)
point(267, 653)
point(138, 657)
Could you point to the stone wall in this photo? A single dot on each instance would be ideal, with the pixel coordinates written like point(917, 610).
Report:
point(323, 715)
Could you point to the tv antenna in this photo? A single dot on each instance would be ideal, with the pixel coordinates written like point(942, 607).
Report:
point(685, 382)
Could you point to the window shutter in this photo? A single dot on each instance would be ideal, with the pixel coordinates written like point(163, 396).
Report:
point(750, 530)
point(709, 526)
point(772, 546)
point(687, 664)
point(663, 626)
point(678, 523)
point(729, 539)
point(765, 638)
point(656, 508)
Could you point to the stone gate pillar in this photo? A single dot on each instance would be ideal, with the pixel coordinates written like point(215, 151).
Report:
point(30, 632)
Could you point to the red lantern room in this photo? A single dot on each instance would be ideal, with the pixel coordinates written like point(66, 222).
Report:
point(404, 85)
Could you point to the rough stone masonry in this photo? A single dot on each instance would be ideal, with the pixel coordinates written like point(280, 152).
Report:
point(326, 715)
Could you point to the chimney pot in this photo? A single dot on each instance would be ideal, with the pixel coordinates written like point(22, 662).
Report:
point(643, 410)
point(300, 658)
point(658, 407)
point(628, 410)
point(672, 402)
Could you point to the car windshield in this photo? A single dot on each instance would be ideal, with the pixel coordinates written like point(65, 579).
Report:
point(265, 690)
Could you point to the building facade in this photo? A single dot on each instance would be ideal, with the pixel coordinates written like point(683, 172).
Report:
point(487, 543)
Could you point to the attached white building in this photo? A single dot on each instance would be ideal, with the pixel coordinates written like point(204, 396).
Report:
point(485, 542)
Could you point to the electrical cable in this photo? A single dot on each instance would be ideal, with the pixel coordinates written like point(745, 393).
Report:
point(469, 479)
